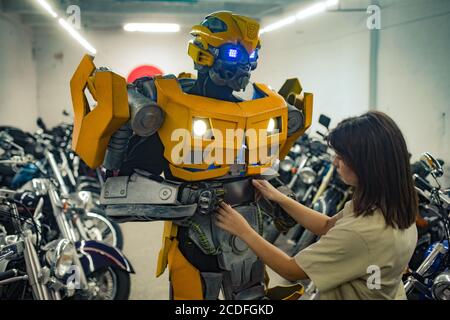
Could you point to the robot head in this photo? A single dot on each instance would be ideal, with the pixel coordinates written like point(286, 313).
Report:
point(226, 47)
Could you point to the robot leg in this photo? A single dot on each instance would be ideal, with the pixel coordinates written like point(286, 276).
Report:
point(185, 279)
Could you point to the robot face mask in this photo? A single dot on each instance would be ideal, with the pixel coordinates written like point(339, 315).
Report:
point(226, 47)
point(232, 66)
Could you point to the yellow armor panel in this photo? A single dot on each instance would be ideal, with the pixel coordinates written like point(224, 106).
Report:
point(93, 129)
point(240, 29)
point(307, 109)
point(185, 279)
point(169, 234)
point(224, 118)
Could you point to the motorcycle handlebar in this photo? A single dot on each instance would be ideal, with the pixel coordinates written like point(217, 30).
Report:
point(8, 274)
point(321, 134)
point(421, 183)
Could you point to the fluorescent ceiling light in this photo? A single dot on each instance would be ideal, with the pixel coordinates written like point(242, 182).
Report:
point(151, 27)
point(77, 36)
point(68, 27)
point(279, 24)
point(302, 14)
point(316, 9)
point(48, 8)
point(332, 3)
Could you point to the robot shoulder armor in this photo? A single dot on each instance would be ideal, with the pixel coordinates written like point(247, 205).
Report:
point(186, 84)
point(145, 86)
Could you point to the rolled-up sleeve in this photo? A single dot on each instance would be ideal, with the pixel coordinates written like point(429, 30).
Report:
point(338, 257)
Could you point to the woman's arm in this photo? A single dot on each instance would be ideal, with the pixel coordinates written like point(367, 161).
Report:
point(312, 220)
point(231, 221)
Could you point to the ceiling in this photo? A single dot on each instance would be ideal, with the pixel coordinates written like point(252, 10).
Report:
point(112, 14)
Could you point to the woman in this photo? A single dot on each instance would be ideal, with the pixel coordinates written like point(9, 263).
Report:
point(364, 249)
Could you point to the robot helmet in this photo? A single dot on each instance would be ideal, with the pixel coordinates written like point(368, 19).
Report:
point(226, 46)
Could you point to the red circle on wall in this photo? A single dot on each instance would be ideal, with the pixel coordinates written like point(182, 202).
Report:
point(143, 71)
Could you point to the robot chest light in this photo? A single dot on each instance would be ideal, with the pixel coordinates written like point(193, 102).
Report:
point(201, 134)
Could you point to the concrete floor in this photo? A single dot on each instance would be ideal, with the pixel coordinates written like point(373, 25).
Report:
point(142, 242)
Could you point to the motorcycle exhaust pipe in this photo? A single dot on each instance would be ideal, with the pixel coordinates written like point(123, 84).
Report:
point(12, 280)
point(8, 274)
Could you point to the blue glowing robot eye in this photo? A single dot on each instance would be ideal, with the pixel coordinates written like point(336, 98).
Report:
point(232, 53)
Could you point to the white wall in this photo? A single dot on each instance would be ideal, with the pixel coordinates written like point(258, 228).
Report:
point(17, 76)
point(58, 56)
point(329, 53)
point(414, 73)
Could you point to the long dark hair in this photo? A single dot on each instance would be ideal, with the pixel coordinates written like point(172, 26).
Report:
point(373, 146)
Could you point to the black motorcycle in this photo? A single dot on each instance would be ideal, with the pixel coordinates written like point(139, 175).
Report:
point(431, 279)
point(41, 259)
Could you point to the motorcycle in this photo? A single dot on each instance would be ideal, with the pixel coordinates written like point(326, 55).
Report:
point(297, 172)
point(57, 265)
point(430, 227)
point(316, 184)
point(302, 166)
point(431, 279)
point(91, 223)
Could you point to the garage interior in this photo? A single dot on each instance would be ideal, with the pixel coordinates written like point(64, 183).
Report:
point(355, 56)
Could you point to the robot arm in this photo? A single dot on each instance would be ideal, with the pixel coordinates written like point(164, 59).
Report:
point(300, 107)
point(146, 117)
point(120, 112)
point(112, 134)
point(127, 198)
point(299, 120)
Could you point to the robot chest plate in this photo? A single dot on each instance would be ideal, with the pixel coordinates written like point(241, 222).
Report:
point(207, 138)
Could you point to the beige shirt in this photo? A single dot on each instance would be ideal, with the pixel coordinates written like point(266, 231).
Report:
point(359, 258)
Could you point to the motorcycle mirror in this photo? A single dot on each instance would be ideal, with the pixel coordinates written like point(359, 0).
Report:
point(324, 120)
point(432, 164)
point(287, 164)
point(321, 134)
point(41, 124)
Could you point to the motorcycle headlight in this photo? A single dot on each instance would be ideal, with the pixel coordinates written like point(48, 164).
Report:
point(286, 165)
point(441, 286)
point(307, 175)
point(296, 149)
point(64, 256)
point(85, 196)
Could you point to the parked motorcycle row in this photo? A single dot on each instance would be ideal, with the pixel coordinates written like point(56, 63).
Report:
point(55, 241)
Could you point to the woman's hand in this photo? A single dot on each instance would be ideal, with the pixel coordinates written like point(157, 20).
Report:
point(265, 189)
point(232, 221)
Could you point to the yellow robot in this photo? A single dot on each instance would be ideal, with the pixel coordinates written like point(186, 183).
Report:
point(174, 147)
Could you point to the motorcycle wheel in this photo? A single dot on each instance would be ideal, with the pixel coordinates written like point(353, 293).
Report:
point(112, 284)
point(100, 228)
